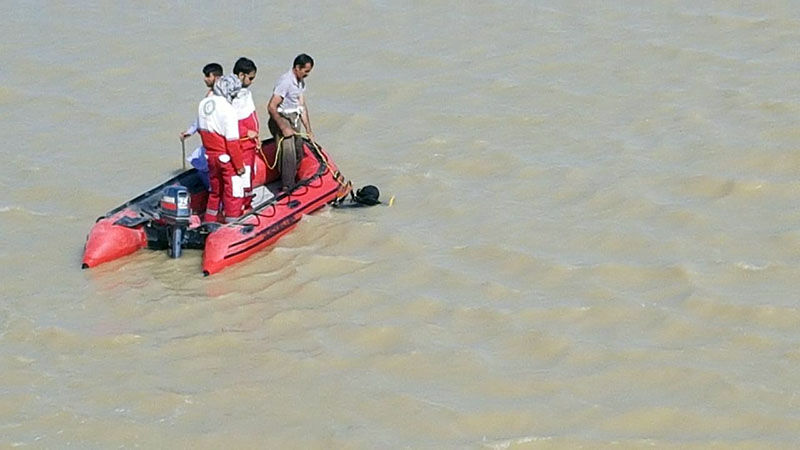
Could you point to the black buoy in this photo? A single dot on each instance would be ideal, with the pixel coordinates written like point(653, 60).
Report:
point(368, 195)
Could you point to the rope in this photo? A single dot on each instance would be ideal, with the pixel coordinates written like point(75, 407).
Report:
point(346, 185)
point(279, 151)
point(277, 155)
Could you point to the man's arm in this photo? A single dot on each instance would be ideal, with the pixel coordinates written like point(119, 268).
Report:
point(189, 131)
point(272, 109)
point(305, 118)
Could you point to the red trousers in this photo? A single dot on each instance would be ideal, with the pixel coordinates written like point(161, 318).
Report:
point(220, 190)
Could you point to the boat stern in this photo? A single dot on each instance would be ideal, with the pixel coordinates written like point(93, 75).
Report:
point(107, 241)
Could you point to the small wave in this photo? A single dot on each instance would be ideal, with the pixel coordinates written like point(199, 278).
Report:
point(29, 212)
point(705, 187)
point(722, 310)
point(5, 209)
point(751, 267)
point(730, 19)
point(499, 445)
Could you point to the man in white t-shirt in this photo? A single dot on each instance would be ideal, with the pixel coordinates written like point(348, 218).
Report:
point(287, 110)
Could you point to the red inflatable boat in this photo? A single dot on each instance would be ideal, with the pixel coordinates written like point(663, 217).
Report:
point(168, 216)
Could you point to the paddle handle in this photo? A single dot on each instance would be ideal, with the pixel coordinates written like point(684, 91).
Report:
point(183, 150)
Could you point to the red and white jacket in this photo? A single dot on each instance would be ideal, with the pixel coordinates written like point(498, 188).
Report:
point(246, 115)
point(219, 128)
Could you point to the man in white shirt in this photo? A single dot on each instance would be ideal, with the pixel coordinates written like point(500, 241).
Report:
point(287, 109)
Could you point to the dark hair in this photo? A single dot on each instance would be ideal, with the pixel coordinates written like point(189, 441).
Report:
point(244, 65)
point(302, 59)
point(214, 68)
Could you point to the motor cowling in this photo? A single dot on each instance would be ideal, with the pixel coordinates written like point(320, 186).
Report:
point(176, 214)
point(175, 205)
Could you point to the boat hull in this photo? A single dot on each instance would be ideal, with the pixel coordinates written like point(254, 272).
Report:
point(107, 241)
point(136, 224)
point(263, 226)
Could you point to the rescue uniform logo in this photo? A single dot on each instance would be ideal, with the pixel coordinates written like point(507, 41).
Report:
point(209, 107)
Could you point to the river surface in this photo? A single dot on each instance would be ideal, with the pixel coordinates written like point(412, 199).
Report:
point(595, 238)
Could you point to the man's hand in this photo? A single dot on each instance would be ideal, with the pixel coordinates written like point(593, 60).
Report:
point(184, 135)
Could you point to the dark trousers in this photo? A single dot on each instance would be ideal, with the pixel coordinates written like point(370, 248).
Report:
point(291, 150)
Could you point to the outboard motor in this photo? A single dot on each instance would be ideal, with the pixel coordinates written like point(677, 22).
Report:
point(176, 214)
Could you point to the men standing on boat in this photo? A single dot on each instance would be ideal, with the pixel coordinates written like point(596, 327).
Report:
point(211, 72)
point(245, 70)
point(219, 130)
point(287, 109)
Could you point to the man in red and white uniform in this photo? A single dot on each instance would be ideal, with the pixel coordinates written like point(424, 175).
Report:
point(211, 72)
point(245, 70)
point(219, 130)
